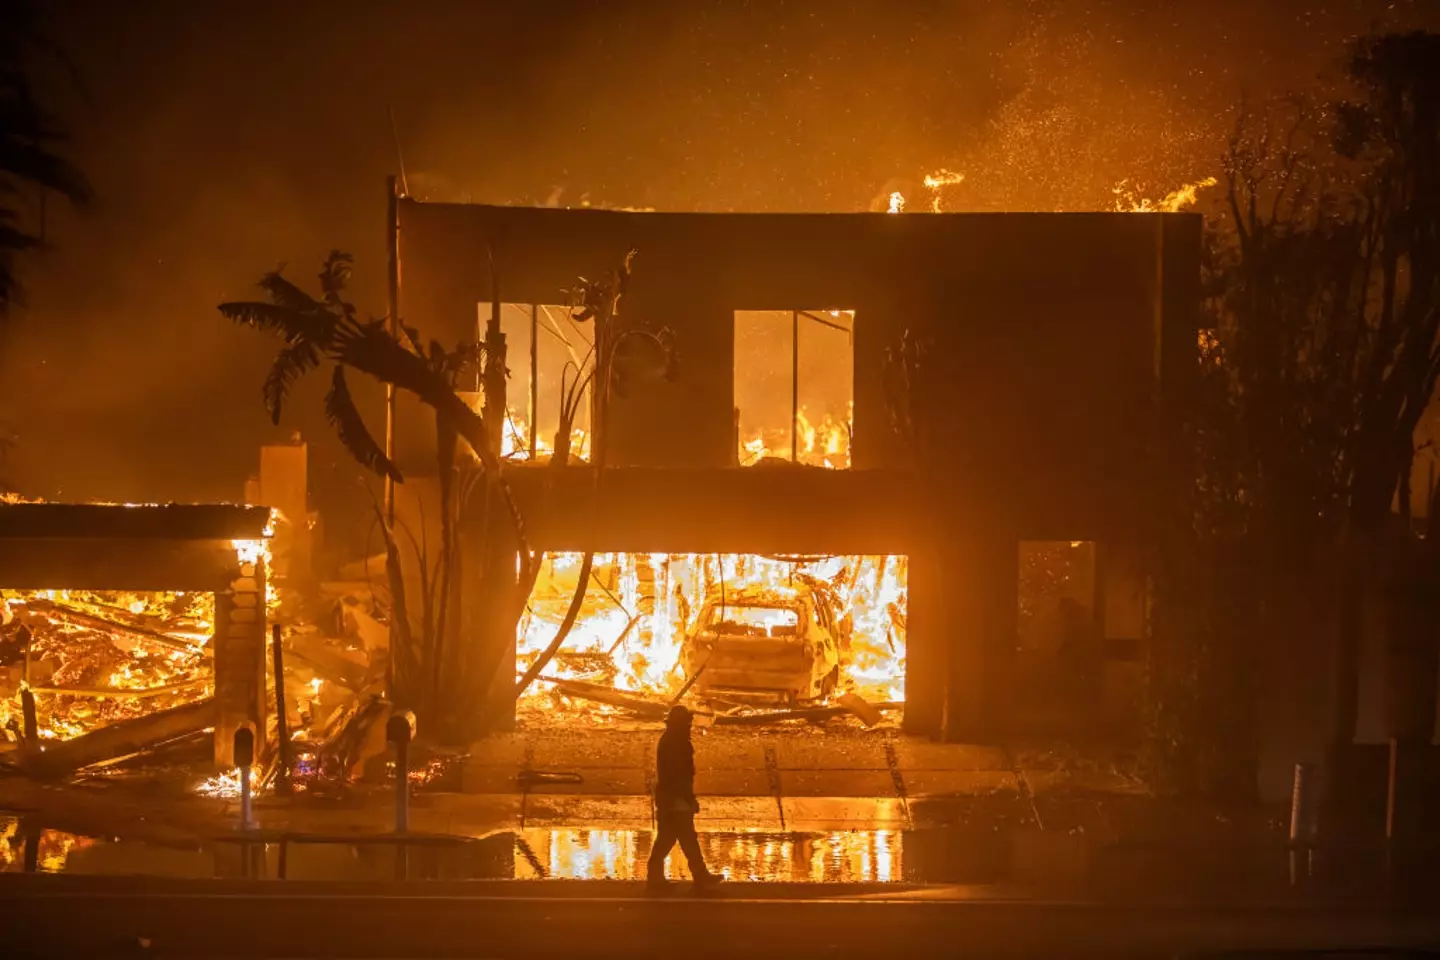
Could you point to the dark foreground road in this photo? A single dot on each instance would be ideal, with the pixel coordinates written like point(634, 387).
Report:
point(51, 916)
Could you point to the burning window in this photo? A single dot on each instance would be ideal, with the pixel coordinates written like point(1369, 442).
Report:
point(733, 634)
point(794, 386)
point(544, 351)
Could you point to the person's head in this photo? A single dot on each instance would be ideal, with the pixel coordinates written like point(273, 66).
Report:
point(678, 719)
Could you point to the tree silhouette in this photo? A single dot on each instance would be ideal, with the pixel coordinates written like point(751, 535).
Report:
point(29, 136)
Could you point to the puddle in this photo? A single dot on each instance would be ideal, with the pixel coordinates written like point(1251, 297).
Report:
point(848, 856)
point(570, 853)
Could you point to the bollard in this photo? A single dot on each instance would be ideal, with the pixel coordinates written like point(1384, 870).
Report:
point(398, 731)
point(1302, 806)
point(244, 747)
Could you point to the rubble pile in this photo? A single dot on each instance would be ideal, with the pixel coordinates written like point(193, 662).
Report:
point(92, 659)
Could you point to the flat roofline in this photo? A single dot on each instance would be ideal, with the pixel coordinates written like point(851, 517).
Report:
point(503, 210)
point(167, 521)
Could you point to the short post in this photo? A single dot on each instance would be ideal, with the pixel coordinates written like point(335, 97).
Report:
point(398, 731)
point(244, 746)
point(282, 726)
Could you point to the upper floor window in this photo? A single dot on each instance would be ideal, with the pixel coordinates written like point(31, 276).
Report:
point(794, 386)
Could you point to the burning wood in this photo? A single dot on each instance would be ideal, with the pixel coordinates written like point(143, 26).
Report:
point(634, 703)
point(122, 739)
point(803, 713)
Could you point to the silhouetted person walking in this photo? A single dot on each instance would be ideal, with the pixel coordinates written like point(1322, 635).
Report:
point(675, 804)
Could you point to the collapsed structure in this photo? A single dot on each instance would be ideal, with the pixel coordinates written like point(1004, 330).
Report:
point(125, 598)
point(1052, 347)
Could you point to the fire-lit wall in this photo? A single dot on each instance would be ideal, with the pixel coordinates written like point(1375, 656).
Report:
point(1051, 335)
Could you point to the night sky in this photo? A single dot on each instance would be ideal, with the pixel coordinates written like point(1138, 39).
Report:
point(224, 138)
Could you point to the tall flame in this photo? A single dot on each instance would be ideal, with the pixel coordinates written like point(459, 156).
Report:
point(1127, 201)
point(938, 181)
point(897, 202)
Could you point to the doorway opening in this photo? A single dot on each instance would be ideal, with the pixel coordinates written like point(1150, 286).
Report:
point(794, 386)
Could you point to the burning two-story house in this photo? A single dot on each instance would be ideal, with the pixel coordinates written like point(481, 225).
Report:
point(772, 463)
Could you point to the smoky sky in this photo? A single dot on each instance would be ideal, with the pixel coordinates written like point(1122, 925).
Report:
point(225, 138)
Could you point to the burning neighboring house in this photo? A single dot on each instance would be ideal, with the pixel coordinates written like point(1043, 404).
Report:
point(1054, 345)
point(130, 625)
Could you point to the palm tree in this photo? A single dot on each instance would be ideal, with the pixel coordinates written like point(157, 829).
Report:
point(28, 136)
point(432, 673)
point(327, 330)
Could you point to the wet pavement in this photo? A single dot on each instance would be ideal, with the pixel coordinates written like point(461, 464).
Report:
point(969, 857)
point(544, 808)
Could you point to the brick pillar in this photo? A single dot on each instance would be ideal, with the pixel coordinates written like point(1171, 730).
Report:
point(240, 648)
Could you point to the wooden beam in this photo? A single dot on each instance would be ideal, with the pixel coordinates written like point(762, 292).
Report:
point(173, 521)
point(121, 739)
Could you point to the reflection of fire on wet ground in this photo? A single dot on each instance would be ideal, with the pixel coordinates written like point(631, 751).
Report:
point(53, 847)
point(841, 856)
point(627, 648)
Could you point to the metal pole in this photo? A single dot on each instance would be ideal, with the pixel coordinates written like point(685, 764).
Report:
point(794, 385)
point(282, 725)
point(392, 249)
point(534, 379)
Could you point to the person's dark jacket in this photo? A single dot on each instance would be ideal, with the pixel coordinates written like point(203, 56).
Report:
point(675, 769)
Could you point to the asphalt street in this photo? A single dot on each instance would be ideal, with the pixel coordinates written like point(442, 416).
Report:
point(48, 916)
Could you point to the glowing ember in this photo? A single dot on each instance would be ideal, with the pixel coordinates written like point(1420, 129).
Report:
point(226, 786)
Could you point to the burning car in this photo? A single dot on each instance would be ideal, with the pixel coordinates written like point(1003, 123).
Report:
point(766, 644)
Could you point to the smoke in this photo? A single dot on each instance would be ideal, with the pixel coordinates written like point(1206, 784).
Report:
point(224, 138)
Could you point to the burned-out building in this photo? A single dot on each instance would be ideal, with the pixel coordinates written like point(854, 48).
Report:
point(213, 553)
point(1053, 344)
